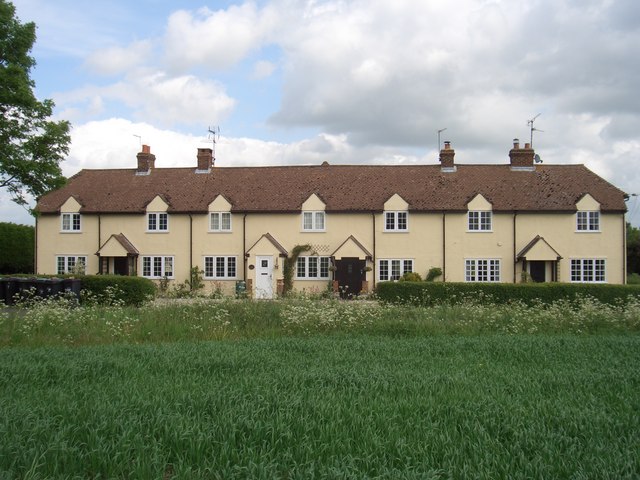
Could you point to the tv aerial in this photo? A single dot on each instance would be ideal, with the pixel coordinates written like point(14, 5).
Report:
point(439, 132)
point(533, 129)
point(213, 137)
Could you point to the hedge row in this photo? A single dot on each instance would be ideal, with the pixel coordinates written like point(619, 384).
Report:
point(129, 290)
point(435, 293)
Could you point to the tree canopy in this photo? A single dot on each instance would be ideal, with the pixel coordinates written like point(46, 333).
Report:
point(31, 144)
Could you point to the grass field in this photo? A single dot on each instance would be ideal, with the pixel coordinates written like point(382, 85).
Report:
point(371, 393)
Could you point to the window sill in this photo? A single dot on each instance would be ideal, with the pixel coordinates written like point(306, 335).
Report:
point(70, 231)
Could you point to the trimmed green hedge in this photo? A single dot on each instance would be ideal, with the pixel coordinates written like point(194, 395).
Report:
point(435, 293)
point(131, 290)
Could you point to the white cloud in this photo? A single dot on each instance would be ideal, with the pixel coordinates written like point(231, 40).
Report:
point(154, 97)
point(117, 60)
point(263, 69)
point(215, 39)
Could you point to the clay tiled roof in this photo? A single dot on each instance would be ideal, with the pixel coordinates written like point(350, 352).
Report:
point(343, 188)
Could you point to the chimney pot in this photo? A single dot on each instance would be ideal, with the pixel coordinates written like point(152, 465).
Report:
point(146, 149)
point(516, 143)
point(527, 145)
point(447, 145)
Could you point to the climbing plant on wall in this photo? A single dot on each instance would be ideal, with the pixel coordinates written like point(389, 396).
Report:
point(290, 264)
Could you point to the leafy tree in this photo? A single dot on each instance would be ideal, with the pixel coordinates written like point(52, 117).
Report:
point(633, 249)
point(16, 254)
point(31, 145)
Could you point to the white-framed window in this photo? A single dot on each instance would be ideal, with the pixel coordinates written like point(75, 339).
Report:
point(220, 222)
point(482, 270)
point(588, 221)
point(393, 268)
point(157, 266)
point(313, 268)
point(70, 222)
point(480, 221)
point(71, 264)
point(313, 222)
point(157, 222)
point(396, 221)
point(220, 267)
point(588, 270)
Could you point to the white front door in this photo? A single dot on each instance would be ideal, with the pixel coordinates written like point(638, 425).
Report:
point(264, 276)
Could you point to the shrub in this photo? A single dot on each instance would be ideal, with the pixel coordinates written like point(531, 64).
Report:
point(411, 277)
point(633, 279)
point(130, 290)
point(16, 254)
point(433, 273)
point(437, 293)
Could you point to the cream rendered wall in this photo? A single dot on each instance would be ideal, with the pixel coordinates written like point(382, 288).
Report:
point(462, 244)
point(587, 202)
point(396, 203)
point(174, 242)
point(313, 203)
point(209, 243)
point(559, 230)
point(52, 241)
point(286, 228)
point(422, 242)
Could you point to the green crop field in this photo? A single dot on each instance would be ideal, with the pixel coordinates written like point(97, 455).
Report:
point(338, 390)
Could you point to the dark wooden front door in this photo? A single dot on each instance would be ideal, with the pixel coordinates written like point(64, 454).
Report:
point(121, 266)
point(350, 274)
point(537, 270)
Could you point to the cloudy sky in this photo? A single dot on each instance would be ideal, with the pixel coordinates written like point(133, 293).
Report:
point(349, 82)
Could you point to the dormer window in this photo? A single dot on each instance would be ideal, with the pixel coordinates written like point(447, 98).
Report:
point(71, 222)
point(220, 221)
point(396, 221)
point(313, 222)
point(588, 221)
point(157, 222)
point(479, 221)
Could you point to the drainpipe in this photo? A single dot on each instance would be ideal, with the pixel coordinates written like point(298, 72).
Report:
point(35, 250)
point(373, 260)
point(624, 251)
point(244, 246)
point(99, 244)
point(190, 246)
point(515, 214)
point(444, 247)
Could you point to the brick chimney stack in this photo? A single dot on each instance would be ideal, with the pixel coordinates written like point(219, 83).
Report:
point(446, 158)
point(522, 158)
point(205, 160)
point(146, 161)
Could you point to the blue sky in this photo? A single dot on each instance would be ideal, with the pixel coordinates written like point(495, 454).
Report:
point(343, 81)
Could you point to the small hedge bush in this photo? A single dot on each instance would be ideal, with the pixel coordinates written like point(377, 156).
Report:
point(127, 290)
point(130, 290)
point(436, 293)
